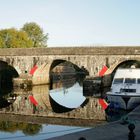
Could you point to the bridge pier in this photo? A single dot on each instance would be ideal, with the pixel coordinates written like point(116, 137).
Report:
point(42, 75)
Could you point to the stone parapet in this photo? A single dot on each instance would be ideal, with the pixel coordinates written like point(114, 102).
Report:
point(93, 50)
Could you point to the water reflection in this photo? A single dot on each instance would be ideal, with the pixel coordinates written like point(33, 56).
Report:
point(114, 114)
point(63, 97)
point(26, 128)
point(6, 97)
point(22, 131)
point(41, 95)
point(66, 94)
point(68, 97)
point(55, 104)
point(63, 100)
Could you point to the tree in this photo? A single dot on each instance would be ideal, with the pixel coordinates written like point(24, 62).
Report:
point(1, 42)
point(12, 38)
point(36, 34)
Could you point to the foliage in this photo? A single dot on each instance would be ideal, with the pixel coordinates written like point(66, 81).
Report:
point(12, 38)
point(31, 35)
point(32, 129)
point(1, 42)
point(35, 33)
point(27, 129)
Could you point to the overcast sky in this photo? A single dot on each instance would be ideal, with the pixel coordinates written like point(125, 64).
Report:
point(77, 22)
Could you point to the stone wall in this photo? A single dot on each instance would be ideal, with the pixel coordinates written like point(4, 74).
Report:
point(92, 58)
point(103, 50)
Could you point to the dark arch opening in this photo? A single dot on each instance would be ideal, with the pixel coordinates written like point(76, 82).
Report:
point(60, 61)
point(129, 63)
point(126, 64)
point(107, 80)
point(7, 73)
point(69, 68)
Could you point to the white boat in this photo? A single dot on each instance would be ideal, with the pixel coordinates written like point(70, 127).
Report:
point(125, 89)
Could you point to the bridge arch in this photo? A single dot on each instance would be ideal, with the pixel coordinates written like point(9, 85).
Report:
point(59, 61)
point(124, 64)
point(129, 62)
point(7, 73)
point(109, 75)
point(42, 74)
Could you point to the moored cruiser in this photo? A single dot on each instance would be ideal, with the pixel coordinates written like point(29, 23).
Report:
point(125, 88)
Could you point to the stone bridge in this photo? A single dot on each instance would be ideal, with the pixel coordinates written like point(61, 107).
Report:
point(92, 58)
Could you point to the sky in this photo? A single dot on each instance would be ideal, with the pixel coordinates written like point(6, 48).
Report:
point(77, 22)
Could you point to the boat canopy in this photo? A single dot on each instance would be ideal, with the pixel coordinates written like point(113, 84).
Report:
point(127, 73)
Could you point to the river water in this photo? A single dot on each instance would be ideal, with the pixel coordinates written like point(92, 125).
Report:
point(46, 111)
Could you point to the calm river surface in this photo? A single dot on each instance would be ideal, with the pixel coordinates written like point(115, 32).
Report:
point(47, 111)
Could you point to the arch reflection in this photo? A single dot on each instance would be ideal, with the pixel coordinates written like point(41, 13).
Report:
point(64, 97)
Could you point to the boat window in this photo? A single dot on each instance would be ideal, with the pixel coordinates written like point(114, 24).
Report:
point(138, 81)
point(130, 80)
point(128, 90)
point(118, 81)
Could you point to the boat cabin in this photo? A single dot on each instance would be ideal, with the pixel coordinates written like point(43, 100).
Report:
point(126, 80)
